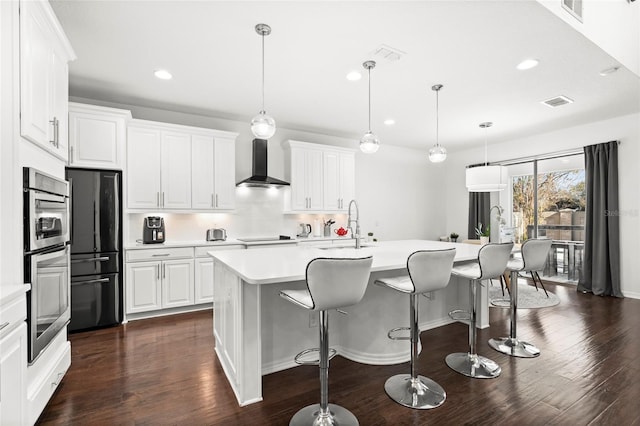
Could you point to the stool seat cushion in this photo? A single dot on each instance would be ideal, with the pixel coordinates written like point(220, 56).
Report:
point(470, 270)
point(401, 283)
point(515, 265)
point(299, 297)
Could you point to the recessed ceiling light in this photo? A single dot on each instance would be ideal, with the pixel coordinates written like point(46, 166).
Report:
point(162, 74)
point(354, 76)
point(389, 121)
point(608, 71)
point(527, 64)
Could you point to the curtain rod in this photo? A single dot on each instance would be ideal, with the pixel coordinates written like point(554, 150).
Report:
point(549, 156)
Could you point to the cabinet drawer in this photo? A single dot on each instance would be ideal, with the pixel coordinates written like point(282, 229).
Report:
point(159, 254)
point(12, 313)
point(202, 251)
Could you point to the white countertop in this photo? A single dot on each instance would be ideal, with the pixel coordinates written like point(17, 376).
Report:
point(231, 241)
point(10, 292)
point(267, 266)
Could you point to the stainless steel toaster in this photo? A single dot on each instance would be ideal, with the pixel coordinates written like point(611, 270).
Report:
point(216, 234)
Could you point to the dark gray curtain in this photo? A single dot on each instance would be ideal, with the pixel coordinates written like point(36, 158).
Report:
point(601, 266)
point(479, 207)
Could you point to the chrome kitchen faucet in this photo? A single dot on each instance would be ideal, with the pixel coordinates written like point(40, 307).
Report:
point(357, 221)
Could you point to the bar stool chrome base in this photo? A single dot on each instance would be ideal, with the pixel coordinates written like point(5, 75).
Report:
point(475, 366)
point(420, 393)
point(310, 415)
point(514, 347)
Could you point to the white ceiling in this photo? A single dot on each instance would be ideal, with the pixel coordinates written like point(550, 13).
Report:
point(471, 47)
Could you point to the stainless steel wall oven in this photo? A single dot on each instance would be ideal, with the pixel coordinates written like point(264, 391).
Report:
point(46, 257)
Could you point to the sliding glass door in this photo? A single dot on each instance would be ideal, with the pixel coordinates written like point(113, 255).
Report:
point(548, 199)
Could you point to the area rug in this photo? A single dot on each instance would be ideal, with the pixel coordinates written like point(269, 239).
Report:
point(528, 297)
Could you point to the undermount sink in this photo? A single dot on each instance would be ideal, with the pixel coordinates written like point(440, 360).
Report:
point(345, 247)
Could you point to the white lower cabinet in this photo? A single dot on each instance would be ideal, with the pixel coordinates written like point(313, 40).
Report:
point(159, 279)
point(204, 272)
point(166, 278)
point(13, 362)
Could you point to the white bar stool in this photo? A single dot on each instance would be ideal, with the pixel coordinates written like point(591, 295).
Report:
point(332, 283)
point(429, 270)
point(534, 256)
point(492, 261)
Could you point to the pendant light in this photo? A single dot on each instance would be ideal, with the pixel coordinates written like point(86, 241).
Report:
point(438, 153)
point(486, 178)
point(369, 142)
point(263, 126)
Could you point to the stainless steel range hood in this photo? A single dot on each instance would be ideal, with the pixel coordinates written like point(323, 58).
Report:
point(259, 176)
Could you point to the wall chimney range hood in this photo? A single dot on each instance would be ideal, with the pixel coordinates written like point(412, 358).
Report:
point(259, 176)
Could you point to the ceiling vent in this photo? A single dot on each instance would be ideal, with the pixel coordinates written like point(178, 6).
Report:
point(574, 7)
point(387, 53)
point(557, 101)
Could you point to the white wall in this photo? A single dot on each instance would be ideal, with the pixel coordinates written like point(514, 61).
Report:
point(614, 26)
point(394, 188)
point(626, 129)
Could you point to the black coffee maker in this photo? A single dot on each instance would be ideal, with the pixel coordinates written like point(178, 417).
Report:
point(153, 230)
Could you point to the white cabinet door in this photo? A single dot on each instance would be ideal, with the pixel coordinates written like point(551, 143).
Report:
point(331, 171)
point(35, 74)
point(213, 173)
point(96, 136)
point(177, 283)
point(202, 172)
point(347, 178)
point(225, 174)
point(204, 280)
point(314, 180)
point(143, 168)
point(143, 284)
point(176, 171)
point(60, 104)
point(306, 179)
point(44, 79)
point(13, 356)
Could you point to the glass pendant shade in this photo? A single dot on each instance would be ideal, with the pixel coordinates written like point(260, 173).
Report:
point(437, 154)
point(263, 126)
point(486, 178)
point(369, 143)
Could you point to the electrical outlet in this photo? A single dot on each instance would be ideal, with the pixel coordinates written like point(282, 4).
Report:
point(313, 319)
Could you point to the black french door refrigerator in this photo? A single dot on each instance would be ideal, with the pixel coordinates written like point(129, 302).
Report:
point(96, 248)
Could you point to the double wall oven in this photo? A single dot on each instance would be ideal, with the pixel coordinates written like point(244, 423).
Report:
point(46, 215)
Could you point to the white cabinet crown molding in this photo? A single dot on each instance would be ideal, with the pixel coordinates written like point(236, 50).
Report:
point(96, 109)
point(181, 128)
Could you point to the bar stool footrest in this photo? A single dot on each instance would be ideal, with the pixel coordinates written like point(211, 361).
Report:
point(459, 315)
point(298, 358)
point(391, 332)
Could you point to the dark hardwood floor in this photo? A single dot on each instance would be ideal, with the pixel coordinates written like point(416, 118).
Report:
point(164, 371)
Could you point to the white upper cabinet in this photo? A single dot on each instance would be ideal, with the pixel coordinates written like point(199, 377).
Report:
point(44, 78)
point(213, 173)
point(143, 167)
point(179, 167)
point(306, 177)
point(175, 171)
point(339, 179)
point(322, 177)
point(97, 136)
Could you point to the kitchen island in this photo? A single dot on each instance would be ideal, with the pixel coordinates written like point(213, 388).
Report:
point(257, 332)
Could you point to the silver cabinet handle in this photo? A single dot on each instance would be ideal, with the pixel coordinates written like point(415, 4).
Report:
point(93, 259)
point(57, 132)
point(158, 271)
point(161, 255)
point(213, 203)
point(164, 270)
point(53, 123)
point(100, 280)
point(158, 199)
point(162, 199)
point(216, 200)
point(4, 325)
